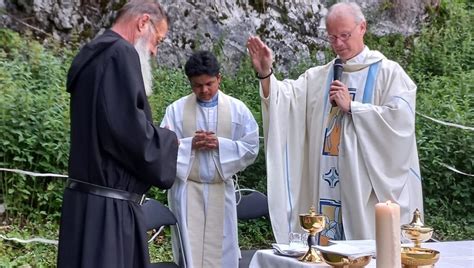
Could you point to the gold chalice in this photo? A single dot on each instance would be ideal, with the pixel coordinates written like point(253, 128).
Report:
point(312, 223)
point(417, 232)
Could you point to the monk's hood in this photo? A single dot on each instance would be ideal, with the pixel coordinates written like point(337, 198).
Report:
point(89, 52)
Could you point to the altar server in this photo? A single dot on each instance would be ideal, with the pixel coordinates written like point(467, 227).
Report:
point(218, 137)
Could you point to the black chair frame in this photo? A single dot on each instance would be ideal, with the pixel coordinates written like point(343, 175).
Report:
point(158, 216)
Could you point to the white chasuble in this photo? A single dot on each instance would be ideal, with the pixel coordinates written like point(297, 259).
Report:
point(203, 195)
point(341, 163)
point(360, 82)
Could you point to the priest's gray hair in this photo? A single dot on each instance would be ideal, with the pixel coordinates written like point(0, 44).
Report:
point(137, 8)
point(352, 7)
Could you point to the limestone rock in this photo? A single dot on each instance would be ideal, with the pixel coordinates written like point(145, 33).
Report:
point(293, 28)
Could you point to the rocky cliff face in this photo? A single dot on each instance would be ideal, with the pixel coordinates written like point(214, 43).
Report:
point(293, 29)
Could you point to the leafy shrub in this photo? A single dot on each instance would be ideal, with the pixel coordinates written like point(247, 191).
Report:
point(445, 46)
point(447, 194)
point(441, 63)
point(35, 126)
point(34, 254)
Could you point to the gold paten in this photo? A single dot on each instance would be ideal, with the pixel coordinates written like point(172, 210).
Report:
point(340, 261)
point(419, 257)
point(312, 223)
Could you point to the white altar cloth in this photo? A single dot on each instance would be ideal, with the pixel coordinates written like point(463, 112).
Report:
point(453, 254)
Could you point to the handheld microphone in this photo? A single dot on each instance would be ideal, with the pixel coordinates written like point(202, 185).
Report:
point(338, 69)
point(337, 74)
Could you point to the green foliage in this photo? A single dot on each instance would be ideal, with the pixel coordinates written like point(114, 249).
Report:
point(447, 194)
point(395, 46)
point(35, 254)
point(255, 234)
point(169, 86)
point(441, 63)
point(161, 248)
point(449, 229)
point(445, 47)
point(35, 127)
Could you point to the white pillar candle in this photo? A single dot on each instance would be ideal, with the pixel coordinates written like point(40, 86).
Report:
point(387, 235)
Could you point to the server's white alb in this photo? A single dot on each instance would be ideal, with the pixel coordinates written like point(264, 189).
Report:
point(203, 195)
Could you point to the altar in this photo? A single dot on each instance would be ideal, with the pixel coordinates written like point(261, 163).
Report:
point(453, 254)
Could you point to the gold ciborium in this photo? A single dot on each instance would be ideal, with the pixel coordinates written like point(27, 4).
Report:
point(417, 232)
point(312, 223)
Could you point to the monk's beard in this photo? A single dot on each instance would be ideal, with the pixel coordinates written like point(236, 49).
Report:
point(145, 55)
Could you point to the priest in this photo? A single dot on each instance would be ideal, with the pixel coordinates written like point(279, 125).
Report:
point(218, 137)
point(341, 144)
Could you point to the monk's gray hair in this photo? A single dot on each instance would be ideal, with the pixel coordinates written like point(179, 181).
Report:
point(354, 9)
point(136, 8)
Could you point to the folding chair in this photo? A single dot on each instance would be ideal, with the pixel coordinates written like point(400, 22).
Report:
point(251, 204)
point(158, 216)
